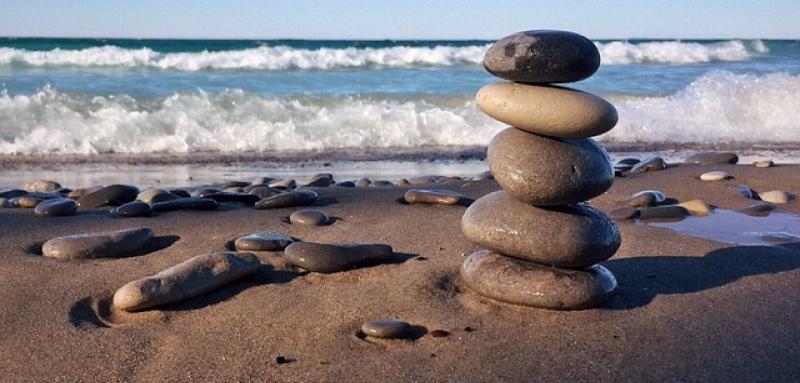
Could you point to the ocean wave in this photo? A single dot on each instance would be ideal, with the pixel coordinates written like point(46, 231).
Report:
point(270, 58)
point(718, 107)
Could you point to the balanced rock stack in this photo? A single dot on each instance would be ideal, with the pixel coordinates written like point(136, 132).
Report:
point(544, 240)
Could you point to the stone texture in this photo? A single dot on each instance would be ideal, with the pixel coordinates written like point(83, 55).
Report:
point(547, 110)
point(525, 283)
point(543, 56)
point(56, 207)
point(112, 244)
point(191, 203)
point(712, 158)
point(112, 195)
point(566, 236)
point(134, 209)
point(433, 196)
point(288, 199)
point(332, 258)
point(188, 279)
point(548, 171)
point(264, 241)
point(309, 218)
point(386, 328)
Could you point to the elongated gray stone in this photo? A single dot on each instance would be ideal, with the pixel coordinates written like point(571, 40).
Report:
point(185, 280)
point(191, 203)
point(134, 209)
point(56, 207)
point(112, 244)
point(288, 199)
point(433, 196)
point(712, 158)
point(113, 195)
point(386, 328)
point(332, 258)
point(264, 241)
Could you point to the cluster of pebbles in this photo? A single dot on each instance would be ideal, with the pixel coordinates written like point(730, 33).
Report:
point(545, 242)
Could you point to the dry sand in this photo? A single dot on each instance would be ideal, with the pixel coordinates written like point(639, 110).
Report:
point(687, 309)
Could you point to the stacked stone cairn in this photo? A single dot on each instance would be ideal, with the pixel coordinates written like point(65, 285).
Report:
point(544, 240)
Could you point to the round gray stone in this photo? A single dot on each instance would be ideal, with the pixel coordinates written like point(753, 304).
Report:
point(111, 244)
point(386, 328)
point(309, 218)
point(332, 258)
point(547, 171)
point(264, 241)
point(56, 207)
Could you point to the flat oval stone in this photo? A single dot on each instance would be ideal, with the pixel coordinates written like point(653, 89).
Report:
point(156, 195)
point(645, 198)
point(134, 209)
point(548, 171)
point(188, 279)
point(649, 165)
point(564, 236)
point(758, 209)
point(332, 258)
point(320, 180)
point(27, 201)
point(433, 196)
point(284, 184)
point(776, 196)
point(712, 158)
point(288, 199)
point(191, 203)
point(112, 244)
point(714, 176)
point(345, 184)
point(42, 186)
point(547, 110)
point(56, 207)
point(264, 241)
point(764, 164)
point(515, 281)
point(386, 328)
point(542, 56)
point(697, 207)
point(663, 212)
point(309, 218)
point(113, 195)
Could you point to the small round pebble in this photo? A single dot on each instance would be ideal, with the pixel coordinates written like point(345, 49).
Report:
point(714, 176)
point(386, 328)
point(309, 218)
point(764, 164)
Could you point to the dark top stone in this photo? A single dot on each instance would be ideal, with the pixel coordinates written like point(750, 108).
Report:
point(180, 193)
point(288, 199)
point(543, 56)
point(330, 258)
point(245, 198)
point(649, 165)
point(56, 207)
point(113, 195)
point(134, 209)
point(712, 158)
point(663, 212)
point(192, 203)
point(12, 193)
point(320, 180)
point(346, 184)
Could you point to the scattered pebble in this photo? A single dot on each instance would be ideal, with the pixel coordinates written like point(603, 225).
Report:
point(363, 182)
point(345, 184)
point(243, 198)
point(746, 192)
point(284, 184)
point(433, 196)
point(263, 241)
point(386, 328)
point(381, 184)
point(27, 201)
point(777, 196)
point(439, 333)
point(156, 195)
point(487, 175)
point(712, 158)
point(112, 244)
point(332, 258)
point(309, 218)
point(42, 186)
point(715, 176)
point(56, 207)
point(628, 161)
point(764, 164)
point(12, 193)
point(320, 180)
point(288, 199)
point(133, 209)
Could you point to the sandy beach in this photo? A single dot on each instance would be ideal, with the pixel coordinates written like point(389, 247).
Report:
point(687, 308)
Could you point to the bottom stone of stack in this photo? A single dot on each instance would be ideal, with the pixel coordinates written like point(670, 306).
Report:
point(515, 281)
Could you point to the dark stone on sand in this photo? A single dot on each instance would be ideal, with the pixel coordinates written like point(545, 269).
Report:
point(564, 236)
point(235, 184)
point(193, 277)
point(243, 198)
point(439, 333)
point(713, 158)
point(649, 165)
point(548, 171)
point(623, 213)
point(346, 184)
point(12, 193)
point(180, 193)
point(758, 209)
point(56, 207)
point(262, 191)
point(156, 195)
point(663, 212)
point(433, 196)
point(113, 195)
point(543, 56)
point(288, 199)
point(515, 281)
point(134, 209)
point(320, 180)
point(191, 203)
point(645, 198)
point(205, 192)
point(332, 258)
point(386, 328)
point(309, 218)
point(112, 244)
point(264, 241)
point(746, 192)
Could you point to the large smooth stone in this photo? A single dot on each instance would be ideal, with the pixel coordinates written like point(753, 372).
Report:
point(543, 56)
point(712, 158)
point(433, 197)
point(547, 110)
point(156, 195)
point(191, 203)
point(331, 258)
point(288, 199)
point(264, 241)
point(185, 280)
point(386, 328)
point(56, 207)
point(775, 196)
point(525, 283)
point(564, 236)
point(320, 180)
point(113, 195)
point(112, 244)
point(548, 171)
point(42, 186)
point(134, 209)
point(309, 218)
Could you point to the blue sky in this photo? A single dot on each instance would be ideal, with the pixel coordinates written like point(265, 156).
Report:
point(414, 19)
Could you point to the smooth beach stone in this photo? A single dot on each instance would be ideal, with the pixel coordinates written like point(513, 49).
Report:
point(515, 281)
point(235, 184)
point(264, 241)
point(156, 195)
point(134, 209)
point(381, 184)
point(56, 207)
point(262, 191)
point(284, 184)
point(433, 196)
point(542, 56)
point(114, 195)
point(288, 199)
point(715, 176)
point(712, 158)
point(80, 192)
point(628, 161)
point(42, 186)
point(776, 196)
point(12, 193)
point(205, 192)
point(663, 212)
point(191, 203)
point(764, 164)
point(386, 328)
point(236, 189)
point(548, 171)
point(332, 258)
point(363, 182)
point(112, 244)
point(345, 184)
point(564, 236)
point(548, 110)
point(697, 207)
point(746, 192)
point(243, 198)
point(27, 201)
point(320, 180)
point(649, 165)
point(180, 193)
point(309, 218)
point(623, 213)
point(758, 209)
point(188, 279)
point(422, 180)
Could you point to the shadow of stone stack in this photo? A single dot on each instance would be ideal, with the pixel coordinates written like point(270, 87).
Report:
point(544, 240)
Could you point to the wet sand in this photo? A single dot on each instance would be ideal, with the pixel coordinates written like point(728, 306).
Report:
point(687, 309)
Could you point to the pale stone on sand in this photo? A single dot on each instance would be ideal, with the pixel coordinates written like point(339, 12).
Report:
point(112, 244)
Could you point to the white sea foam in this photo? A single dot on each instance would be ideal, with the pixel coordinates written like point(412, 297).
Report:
point(286, 58)
point(718, 107)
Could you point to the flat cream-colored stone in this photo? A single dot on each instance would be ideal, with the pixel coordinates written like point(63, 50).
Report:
point(548, 110)
point(697, 207)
